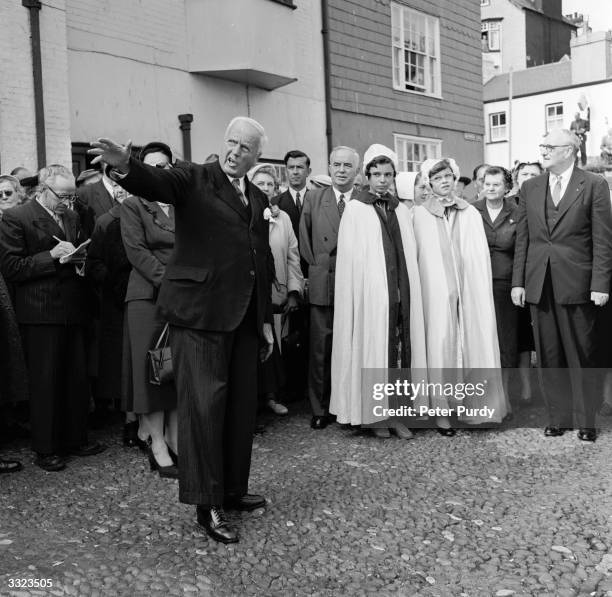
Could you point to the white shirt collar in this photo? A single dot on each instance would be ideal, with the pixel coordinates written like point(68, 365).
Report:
point(564, 177)
point(347, 194)
point(240, 181)
point(293, 193)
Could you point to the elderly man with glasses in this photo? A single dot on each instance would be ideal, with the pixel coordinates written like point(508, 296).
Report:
point(563, 268)
point(52, 308)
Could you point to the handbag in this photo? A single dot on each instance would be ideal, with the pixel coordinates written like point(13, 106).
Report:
point(160, 360)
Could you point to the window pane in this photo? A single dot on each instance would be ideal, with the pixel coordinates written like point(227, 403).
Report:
point(502, 118)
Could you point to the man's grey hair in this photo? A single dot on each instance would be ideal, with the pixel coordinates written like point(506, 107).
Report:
point(49, 173)
point(572, 139)
point(345, 148)
point(261, 133)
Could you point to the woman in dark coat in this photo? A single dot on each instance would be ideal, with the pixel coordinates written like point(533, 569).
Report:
point(13, 387)
point(499, 219)
point(147, 230)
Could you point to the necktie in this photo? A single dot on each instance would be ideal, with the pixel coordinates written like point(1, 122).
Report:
point(556, 192)
point(341, 205)
point(298, 202)
point(58, 220)
point(236, 184)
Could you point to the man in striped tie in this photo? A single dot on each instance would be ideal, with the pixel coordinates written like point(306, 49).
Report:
point(318, 241)
point(563, 268)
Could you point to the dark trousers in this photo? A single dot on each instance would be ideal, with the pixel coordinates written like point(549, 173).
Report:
point(216, 383)
point(319, 363)
point(565, 343)
point(59, 391)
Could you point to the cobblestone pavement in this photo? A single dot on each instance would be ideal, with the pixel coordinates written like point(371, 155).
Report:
point(484, 513)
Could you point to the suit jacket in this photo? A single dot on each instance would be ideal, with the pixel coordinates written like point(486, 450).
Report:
point(148, 238)
point(578, 249)
point(221, 254)
point(501, 237)
point(318, 243)
point(287, 204)
point(46, 292)
point(96, 197)
point(107, 265)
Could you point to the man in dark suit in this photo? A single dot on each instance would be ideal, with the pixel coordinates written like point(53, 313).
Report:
point(562, 268)
point(52, 308)
point(216, 296)
point(292, 200)
point(295, 354)
point(318, 242)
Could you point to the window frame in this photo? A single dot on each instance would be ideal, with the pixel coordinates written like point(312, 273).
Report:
point(426, 60)
point(402, 157)
point(485, 2)
point(498, 127)
point(486, 27)
point(558, 117)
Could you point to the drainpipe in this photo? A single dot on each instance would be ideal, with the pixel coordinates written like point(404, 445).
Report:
point(34, 7)
point(186, 120)
point(327, 73)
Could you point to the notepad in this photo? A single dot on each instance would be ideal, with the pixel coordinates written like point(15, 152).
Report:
point(80, 251)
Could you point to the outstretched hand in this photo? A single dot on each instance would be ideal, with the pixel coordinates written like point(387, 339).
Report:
point(114, 154)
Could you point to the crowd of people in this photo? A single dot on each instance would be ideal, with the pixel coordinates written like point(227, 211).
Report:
point(265, 293)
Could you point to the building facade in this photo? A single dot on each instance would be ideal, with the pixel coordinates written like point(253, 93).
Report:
point(407, 74)
point(127, 69)
point(548, 97)
point(315, 73)
point(518, 34)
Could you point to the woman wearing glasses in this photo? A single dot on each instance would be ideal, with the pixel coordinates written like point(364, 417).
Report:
point(456, 283)
point(11, 192)
point(147, 230)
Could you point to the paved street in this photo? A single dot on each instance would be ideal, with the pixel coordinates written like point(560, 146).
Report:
point(484, 513)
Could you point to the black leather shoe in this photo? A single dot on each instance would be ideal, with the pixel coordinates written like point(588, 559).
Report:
point(587, 435)
point(50, 462)
point(89, 449)
point(10, 466)
point(130, 436)
point(246, 502)
point(554, 431)
point(319, 422)
point(216, 526)
point(166, 472)
point(447, 432)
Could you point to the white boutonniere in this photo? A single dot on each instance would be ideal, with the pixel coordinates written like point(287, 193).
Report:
point(271, 213)
point(511, 221)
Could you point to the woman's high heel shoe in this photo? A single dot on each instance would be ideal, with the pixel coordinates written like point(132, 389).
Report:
point(166, 472)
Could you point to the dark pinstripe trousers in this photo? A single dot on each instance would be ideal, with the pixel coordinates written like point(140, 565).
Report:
point(216, 383)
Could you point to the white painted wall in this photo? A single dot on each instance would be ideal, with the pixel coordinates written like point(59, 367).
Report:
point(513, 49)
point(129, 77)
point(528, 121)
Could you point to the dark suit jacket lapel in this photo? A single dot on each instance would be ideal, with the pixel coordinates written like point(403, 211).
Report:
point(330, 207)
point(70, 226)
point(254, 203)
point(503, 215)
point(227, 192)
point(45, 222)
point(572, 192)
point(538, 196)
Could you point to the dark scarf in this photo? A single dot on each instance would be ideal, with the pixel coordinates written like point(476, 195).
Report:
point(398, 285)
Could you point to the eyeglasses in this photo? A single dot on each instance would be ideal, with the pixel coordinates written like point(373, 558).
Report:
point(67, 198)
point(8, 193)
point(547, 148)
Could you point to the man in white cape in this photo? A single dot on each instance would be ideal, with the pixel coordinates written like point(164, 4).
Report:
point(378, 322)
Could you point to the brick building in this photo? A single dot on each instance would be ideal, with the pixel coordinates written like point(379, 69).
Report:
point(128, 69)
point(407, 74)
